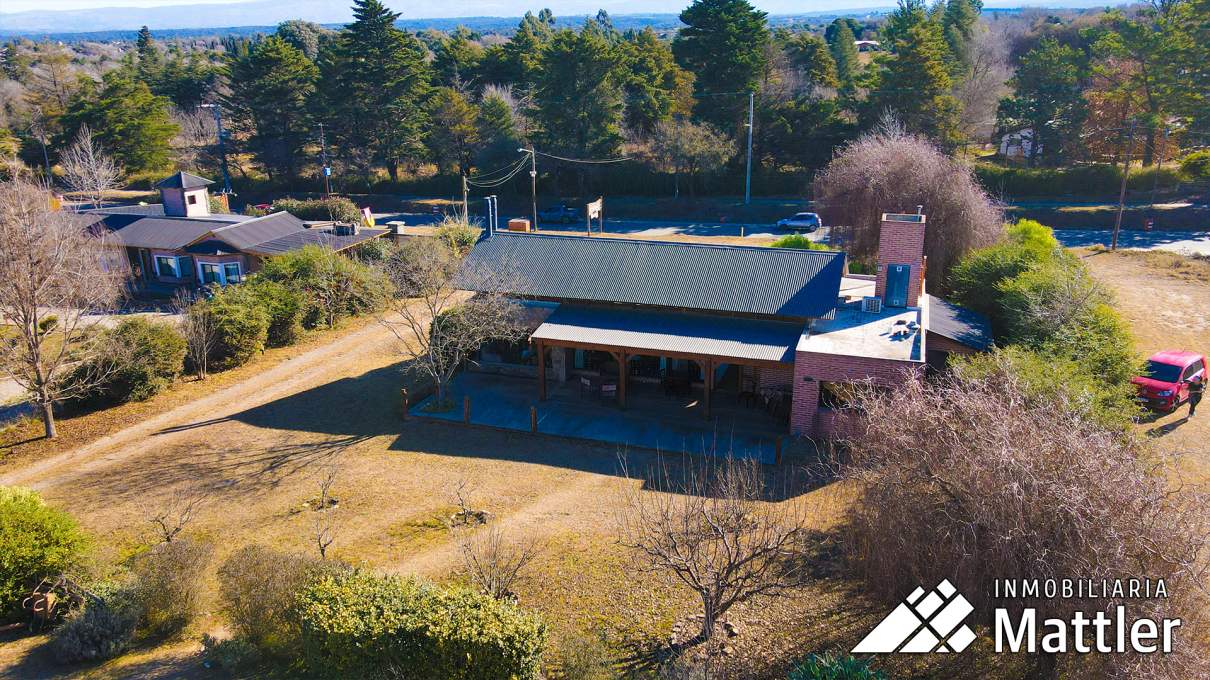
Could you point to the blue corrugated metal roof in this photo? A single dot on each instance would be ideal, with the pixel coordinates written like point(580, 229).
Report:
point(677, 332)
point(742, 279)
point(959, 324)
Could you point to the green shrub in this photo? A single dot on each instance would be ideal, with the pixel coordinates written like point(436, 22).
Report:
point(36, 540)
point(828, 667)
point(229, 655)
point(141, 359)
point(257, 586)
point(333, 286)
point(335, 208)
point(374, 251)
point(1196, 166)
point(241, 326)
point(458, 235)
point(169, 585)
point(974, 281)
point(356, 624)
point(798, 241)
point(285, 308)
point(102, 629)
point(1022, 181)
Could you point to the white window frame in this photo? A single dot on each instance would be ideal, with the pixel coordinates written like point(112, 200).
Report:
point(176, 265)
point(223, 279)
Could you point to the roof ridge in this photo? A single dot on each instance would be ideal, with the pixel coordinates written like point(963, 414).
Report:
point(719, 246)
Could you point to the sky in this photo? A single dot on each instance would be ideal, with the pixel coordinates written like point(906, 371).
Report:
point(509, 7)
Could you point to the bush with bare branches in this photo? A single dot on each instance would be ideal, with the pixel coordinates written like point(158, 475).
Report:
point(87, 169)
point(170, 584)
point(890, 170)
point(979, 479)
point(493, 562)
point(440, 327)
point(48, 293)
point(714, 528)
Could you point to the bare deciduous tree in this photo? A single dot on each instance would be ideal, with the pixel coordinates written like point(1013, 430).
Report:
point(87, 169)
point(325, 519)
point(197, 327)
point(494, 563)
point(439, 327)
point(712, 527)
point(890, 170)
point(980, 91)
point(170, 519)
point(54, 276)
point(682, 146)
point(974, 480)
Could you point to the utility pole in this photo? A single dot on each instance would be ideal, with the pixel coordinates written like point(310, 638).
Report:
point(1117, 225)
point(466, 208)
point(222, 143)
point(533, 183)
point(748, 174)
point(323, 155)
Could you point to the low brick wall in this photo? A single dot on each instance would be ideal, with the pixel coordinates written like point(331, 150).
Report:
point(812, 368)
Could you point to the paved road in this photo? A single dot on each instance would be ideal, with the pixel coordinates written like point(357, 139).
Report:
point(1197, 242)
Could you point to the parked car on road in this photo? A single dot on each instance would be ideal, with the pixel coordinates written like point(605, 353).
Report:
point(1165, 382)
point(803, 221)
point(563, 214)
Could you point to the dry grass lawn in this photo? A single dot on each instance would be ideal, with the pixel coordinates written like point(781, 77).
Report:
point(259, 447)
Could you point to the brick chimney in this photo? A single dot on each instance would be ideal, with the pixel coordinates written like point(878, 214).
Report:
point(901, 258)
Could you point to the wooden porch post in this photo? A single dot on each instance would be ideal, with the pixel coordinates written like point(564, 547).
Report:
point(622, 380)
point(541, 351)
point(708, 383)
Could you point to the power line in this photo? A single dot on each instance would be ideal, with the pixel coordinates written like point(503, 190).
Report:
point(584, 160)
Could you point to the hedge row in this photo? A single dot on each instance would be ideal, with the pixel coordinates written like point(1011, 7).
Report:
point(1087, 180)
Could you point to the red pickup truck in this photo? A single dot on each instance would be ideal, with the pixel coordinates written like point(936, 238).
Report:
point(1165, 383)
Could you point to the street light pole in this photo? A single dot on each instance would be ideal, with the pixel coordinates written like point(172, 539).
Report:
point(748, 174)
point(222, 143)
point(533, 183)
point(323, 155)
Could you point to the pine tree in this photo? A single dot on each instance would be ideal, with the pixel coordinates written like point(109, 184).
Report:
point(958, 24)
point(456, 58)
point(127, 119)
point(150, 62)
point(914, 85)
point(374, 85)
point(656, 88)
point(498, 130)
point(907, 15)
point(810, 55)
point(455, 133)
point(268, 104)
point(844, 53)
point(724, 44)
point(1047, 98)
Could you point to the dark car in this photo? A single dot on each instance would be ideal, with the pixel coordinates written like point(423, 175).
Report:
point(563, 214)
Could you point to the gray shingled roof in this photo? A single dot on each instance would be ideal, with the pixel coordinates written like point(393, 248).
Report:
point(306, 237)
point(743, 279)
point(959, 324)
point(664, 331)
point(183, 180)
point(168, 233)
point(252, 232)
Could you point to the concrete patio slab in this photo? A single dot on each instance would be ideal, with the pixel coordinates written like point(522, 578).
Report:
point(650, 421)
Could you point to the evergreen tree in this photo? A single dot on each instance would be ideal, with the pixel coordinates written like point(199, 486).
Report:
point(455, 133)
point(914, 86)
point(127, 120)
point(724, 44)
point(907, 15)
point(844, 54)
point(1047, 98)
point(519, 61)
point(270, 91)
point(656, 88)
point(958, 24)
point(304, 36)
point(374, 86)
point(810, 55)
point(150, 62)
point(456, 58)
point(498, 129)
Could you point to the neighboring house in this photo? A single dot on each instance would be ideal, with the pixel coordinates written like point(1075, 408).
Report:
point(180, 243)
point(780, 323)
point(867, 45)
point(1019, 144)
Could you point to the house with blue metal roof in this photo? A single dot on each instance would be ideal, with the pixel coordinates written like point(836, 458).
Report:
point(180, 243)
point(778, 332)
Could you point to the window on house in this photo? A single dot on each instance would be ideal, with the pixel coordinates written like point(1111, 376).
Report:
point(192, 198)
point(167, 266)
point(231, 272)
point(212, 273)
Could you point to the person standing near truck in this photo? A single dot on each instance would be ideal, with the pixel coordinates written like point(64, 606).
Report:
point(1196, 389)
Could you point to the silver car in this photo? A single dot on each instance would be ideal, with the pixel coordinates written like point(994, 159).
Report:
point(803, 221)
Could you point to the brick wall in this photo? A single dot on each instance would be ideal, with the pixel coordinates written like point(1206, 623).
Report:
point(768, 378)
point(944, 344)
point(901, 243)
point(804, 415)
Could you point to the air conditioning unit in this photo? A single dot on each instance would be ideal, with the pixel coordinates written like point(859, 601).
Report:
point(871, 304)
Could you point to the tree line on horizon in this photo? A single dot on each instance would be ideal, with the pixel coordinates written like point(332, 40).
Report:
point(404, 103)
